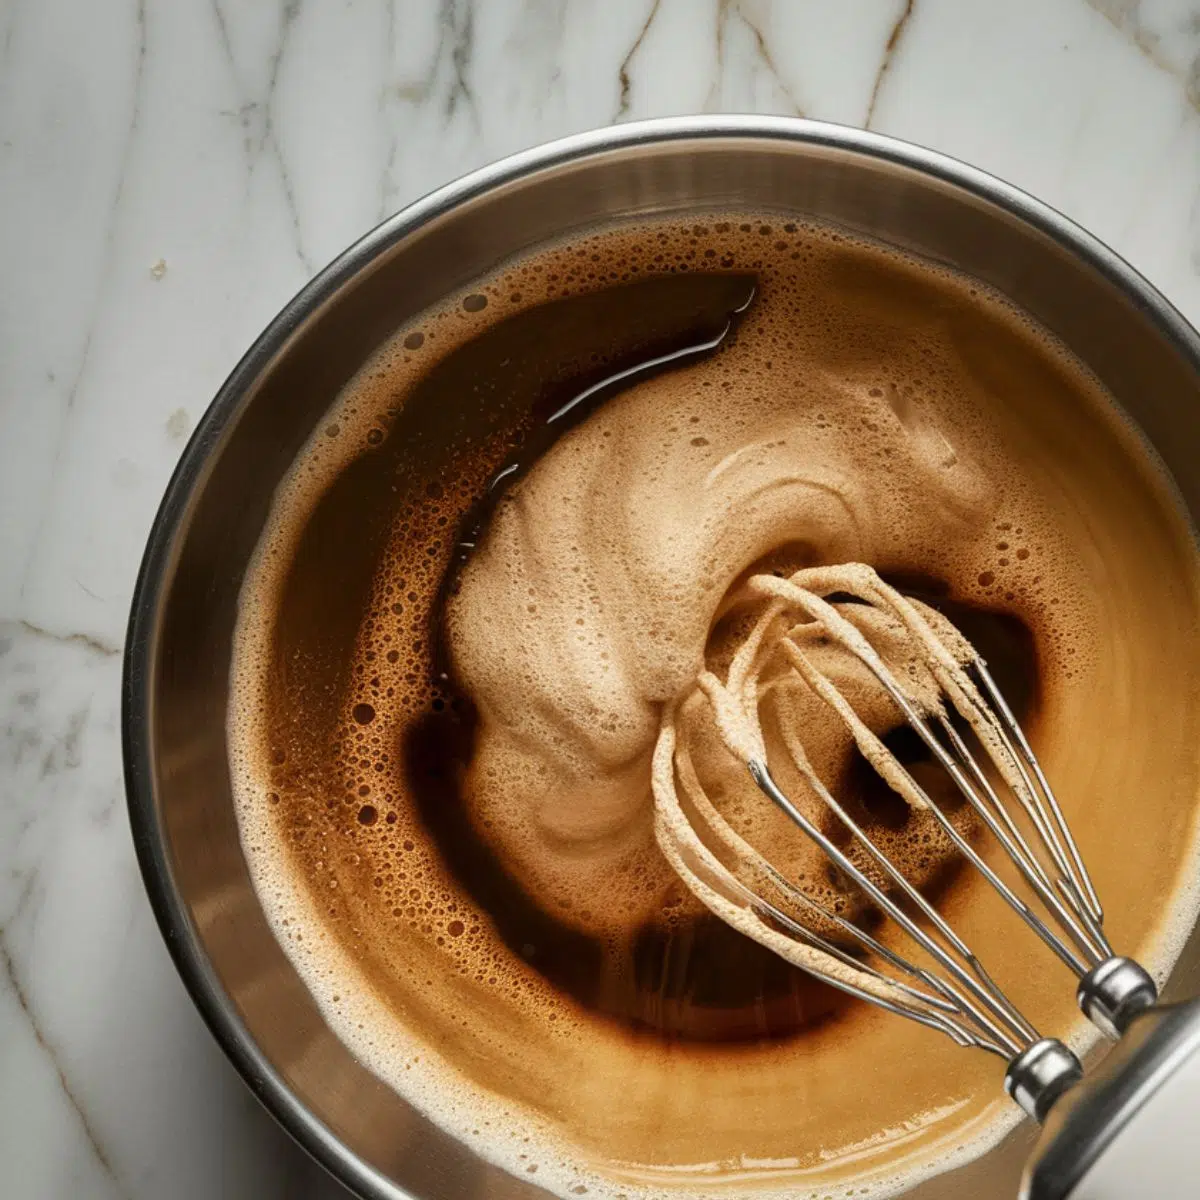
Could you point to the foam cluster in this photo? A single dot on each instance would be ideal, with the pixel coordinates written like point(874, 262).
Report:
point(871, 407)
point(831, 428)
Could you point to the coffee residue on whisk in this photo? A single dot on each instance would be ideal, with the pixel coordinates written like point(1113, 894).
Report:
point(468, 880)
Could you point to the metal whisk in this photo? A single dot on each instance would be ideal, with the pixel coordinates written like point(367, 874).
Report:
point(942, 688)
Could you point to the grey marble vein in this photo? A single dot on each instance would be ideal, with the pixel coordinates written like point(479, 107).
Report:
point(114, 213)
point(625, 95)
point(447, 85)
point(889, 53)
point(261, 110)
point(419, 90)
point(95, 644)
point(437, 94)
point(10, 978)
point(538, 38)
point(1175, 50)
point(115, 207)
point(458, 36)
point(10, 28)
point(392, 133)
point(728, 11)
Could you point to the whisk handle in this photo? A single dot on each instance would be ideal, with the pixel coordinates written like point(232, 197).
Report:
point(1130, 1129)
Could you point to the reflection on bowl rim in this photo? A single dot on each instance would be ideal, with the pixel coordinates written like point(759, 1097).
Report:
point(179, 931)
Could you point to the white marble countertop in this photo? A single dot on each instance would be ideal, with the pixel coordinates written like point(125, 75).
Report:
point(171, 171)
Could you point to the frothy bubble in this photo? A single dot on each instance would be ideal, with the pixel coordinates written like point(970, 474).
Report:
point(840, 423)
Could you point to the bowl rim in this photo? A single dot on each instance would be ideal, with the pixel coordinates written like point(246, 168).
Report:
point(141, 648)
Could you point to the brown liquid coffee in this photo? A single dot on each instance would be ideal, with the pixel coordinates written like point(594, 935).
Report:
point(468, 608)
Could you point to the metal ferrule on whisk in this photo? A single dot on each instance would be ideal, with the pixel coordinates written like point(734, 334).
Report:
point(1002, 781)
point(970, 1008)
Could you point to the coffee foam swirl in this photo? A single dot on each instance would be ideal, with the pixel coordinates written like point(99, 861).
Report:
point(870, 407)
point(609, 564)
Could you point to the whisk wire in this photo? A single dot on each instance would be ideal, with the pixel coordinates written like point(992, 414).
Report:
point(982, 993)
point(947, 1011)
point(1002, 826)
point(953, 704)
point(1089, 940)
point(934, 1011)
point(732, 840)
point(747, 854)
point(1076, 871)
point(1018, 849)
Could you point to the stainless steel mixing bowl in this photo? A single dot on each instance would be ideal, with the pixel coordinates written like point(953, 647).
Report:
point(178, 648)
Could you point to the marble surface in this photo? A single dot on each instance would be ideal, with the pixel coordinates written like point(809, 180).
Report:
point(171, 172)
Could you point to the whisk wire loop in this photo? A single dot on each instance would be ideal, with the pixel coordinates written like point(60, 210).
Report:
point(1010, 796)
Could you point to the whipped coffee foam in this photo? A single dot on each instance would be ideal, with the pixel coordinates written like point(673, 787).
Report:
point(443, 766)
